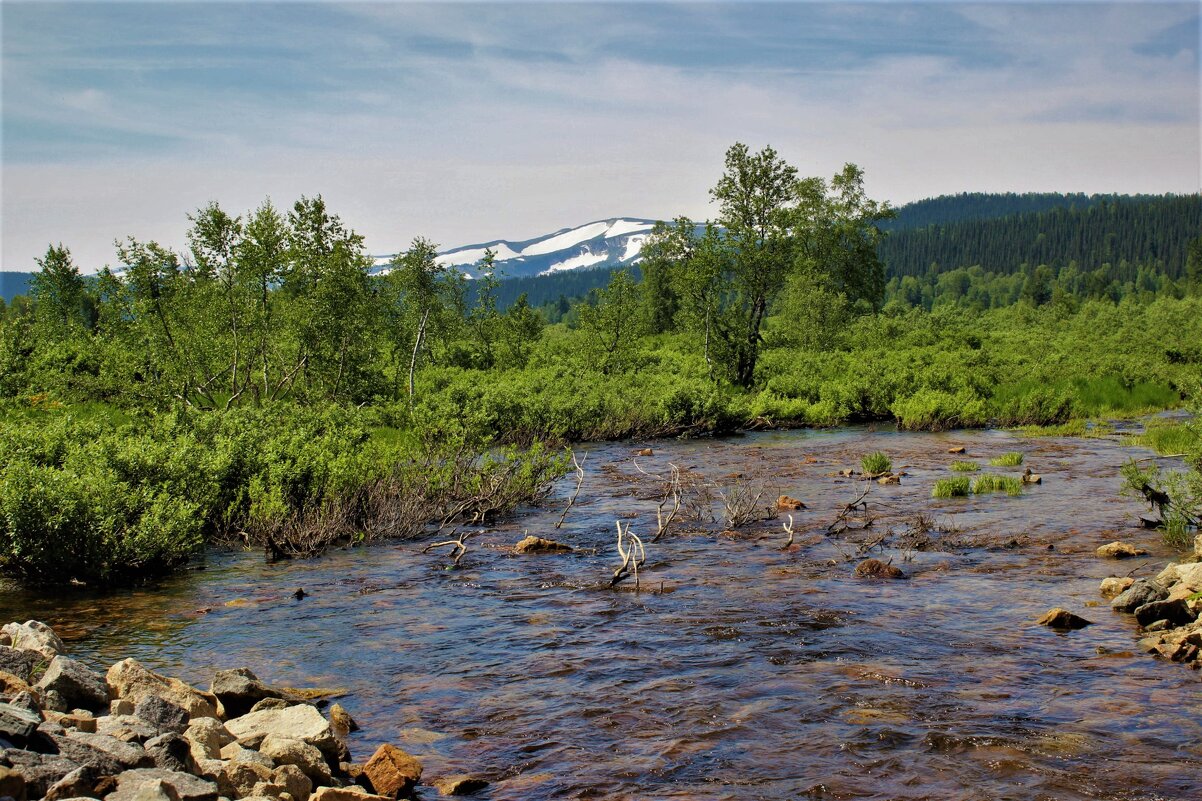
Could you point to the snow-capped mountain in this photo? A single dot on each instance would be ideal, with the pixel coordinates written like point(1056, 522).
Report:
point(617, 242)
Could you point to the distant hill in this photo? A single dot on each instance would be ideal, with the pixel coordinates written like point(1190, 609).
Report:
point(13, 284)
point(988, 206)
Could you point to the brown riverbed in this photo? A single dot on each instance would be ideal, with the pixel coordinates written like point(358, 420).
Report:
point(741, 671)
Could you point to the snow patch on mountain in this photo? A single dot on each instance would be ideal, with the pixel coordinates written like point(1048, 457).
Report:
point(566, 239)
point(471, 255)
point(585, 259)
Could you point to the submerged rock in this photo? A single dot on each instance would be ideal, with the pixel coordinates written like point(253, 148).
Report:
point(787, 504)
point(533, 544)
point(875, 568)
point(1120, 550)
point(1058, 618)
point(392, 772)
point(459, 785)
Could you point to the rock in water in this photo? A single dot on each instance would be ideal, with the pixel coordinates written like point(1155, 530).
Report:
point(392, 772)
point(1177, 613)
point(459, 785)
point(533, 544)
point(786, 504)
point(958, 449)
point(1063, 619)
point(341, 720)
point(239, 690)
point(875, 568)
point(1119, 550)
point(1142, 591)
point(1114, 586)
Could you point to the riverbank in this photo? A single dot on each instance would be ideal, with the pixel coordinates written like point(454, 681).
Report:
point(130, 734)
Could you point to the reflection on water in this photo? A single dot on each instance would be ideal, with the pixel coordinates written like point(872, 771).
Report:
point(756, 673)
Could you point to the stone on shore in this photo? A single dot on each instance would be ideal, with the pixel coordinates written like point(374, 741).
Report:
point(289, 751)
point(79, 783)
point(346, 794)
point(34, 636)
point(130, 680)
point(1114, 586)
point(1141, 591)
point(17, 724)
point(533, 544)
point(12, 784)
point(459, 785)
point(176, 785)
point(1120, 550)
point(17, 662)
point(79, 686)
point(238, 779)
point(207, 736)
point(293, 780)
point(40, 771)
point(392, 772)
point(126, 727)
point(1058, 618)
point(170, 751)
point(784, 503)
point(162, 714)
point(1176, 612)
point(239, 689)
point(298, 722)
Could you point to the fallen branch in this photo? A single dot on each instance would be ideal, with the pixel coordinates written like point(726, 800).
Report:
point(576, 493)
point(633, 556)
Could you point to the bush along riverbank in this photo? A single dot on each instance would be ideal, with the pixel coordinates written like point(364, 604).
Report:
point(1167, 607)
point(69, 732)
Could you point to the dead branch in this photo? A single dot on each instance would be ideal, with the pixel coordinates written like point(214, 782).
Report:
point(459, 547)
point(788, 530)
point(576, 493)
point(671, 491)
point(633, 556)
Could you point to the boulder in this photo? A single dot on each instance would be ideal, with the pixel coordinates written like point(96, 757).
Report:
point(170, 751)
point(177, 786)
point(533, 544)
point(341, 720)
point(239, 690)
point(346, 794)
point(17, 662)
point(12, 784)
point(459, 785)
point(54, 701)
point(34, 636)
point(1058, 618)
point(1176, 612)
point(1198, 546)
point(289, 751)
point(392, 772)
point(207, 736)
point(238, 779)
point(875, 568)
point(126, 727)
point(298, 722)
point(162, 714)
point(40, 771)
point(1114, 586)
point(78, 685)
point(272, 703)
point(79, 783)
point(784, 503)
point(110, 755)
point(17, 724)
point(1141, 591)
point(1190, 576)
point(121, 706)
point(236, 752)
point(294, 781)
point(130, 680)
point(1120, 550)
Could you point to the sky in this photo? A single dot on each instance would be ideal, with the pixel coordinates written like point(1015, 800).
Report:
point(470, 122)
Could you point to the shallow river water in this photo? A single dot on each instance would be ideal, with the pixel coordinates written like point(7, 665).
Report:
point(741, 670)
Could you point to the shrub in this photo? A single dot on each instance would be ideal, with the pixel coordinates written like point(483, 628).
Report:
point(957, 487)
point(965, 467)
point(935, 410)
point(1008, 459)
point(876, 463)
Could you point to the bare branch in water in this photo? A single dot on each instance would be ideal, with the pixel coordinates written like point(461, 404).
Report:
point(576, 493)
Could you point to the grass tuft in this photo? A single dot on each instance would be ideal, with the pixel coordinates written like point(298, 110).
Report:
point(957, 487)
point(878, 462)
point(1011, 459)
point(992, 482)
point(965, 467)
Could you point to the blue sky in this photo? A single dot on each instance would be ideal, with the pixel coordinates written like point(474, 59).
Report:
point(464, 122)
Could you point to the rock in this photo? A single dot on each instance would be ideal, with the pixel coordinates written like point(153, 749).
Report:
point(239, 690)
point(162, 714)
point(298, 722)
point(1177, 613)
point(12, 784)
point(272, 703)
point(1031, 478)
point(875, 568)
point(238, 779)
point(847, 473)
point(645, 452)
point(956, 449)
point(17, 662)
point(1178, 651)
point(1190, 576)
point(207, 736)
point(53, 700)
point(1120, 550)
point(81, 721)
point(392, 772)
point(121, 706)
point(533, 544)
point(110, 755)
point(40, 771)
point(1141, 591)
point(177, 786)
point(1058, 618)
point(17, 724)
point(293, 780)
point(345, 794)
point(787, 504)
point(1114, 586)
point(289, 751)
point(894, 478)
point(459, 785)
point(129, 679)
point(236, 752)
point(1158, 625)
point(79, 783)
point(126, 727)
point(170, 751)
point(34, 636)
point(341, 720)
point(78, 685)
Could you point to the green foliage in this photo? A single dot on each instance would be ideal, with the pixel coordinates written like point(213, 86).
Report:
point(1169, 438)
point(957, 487)
point(876, 462)
point(965, 467)
point(992, 482)
point(1174, 496)
point(1008, 459)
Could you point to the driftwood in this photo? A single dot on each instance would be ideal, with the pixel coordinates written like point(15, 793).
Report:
point(579, 465)
point(459, 547)
point(633, 556)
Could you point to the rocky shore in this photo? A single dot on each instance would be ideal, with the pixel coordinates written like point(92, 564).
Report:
point(1167, 608)
point(68, 732)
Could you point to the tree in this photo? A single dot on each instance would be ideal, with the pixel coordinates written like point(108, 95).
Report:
point(521, 327)
point(60, 293)
point(613, 324)
point(414, 277)
point(483, 319)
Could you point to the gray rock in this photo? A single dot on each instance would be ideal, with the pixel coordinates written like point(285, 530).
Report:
point(271, 703)
point(239, 690)
point(1143, 591)
point(162, 714)
point(17, 724)
point(1177, 613)
point(127, 728)
point(300, 722)
point(27, 701)
point(79, 783)
point(40, 771)
point(53, 700)
point(17, 662)
point(108, 754)
point(177, 786)
point(34, 636)
point(288, 751)
point(170, 751)
point(75, 683)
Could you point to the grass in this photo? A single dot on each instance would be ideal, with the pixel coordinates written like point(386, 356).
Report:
point(992, 482)
point(965, 467)
point(957, 487)
point(1010, 459)
point(1079, 427)
point(1167, 438)
point(877, 462)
